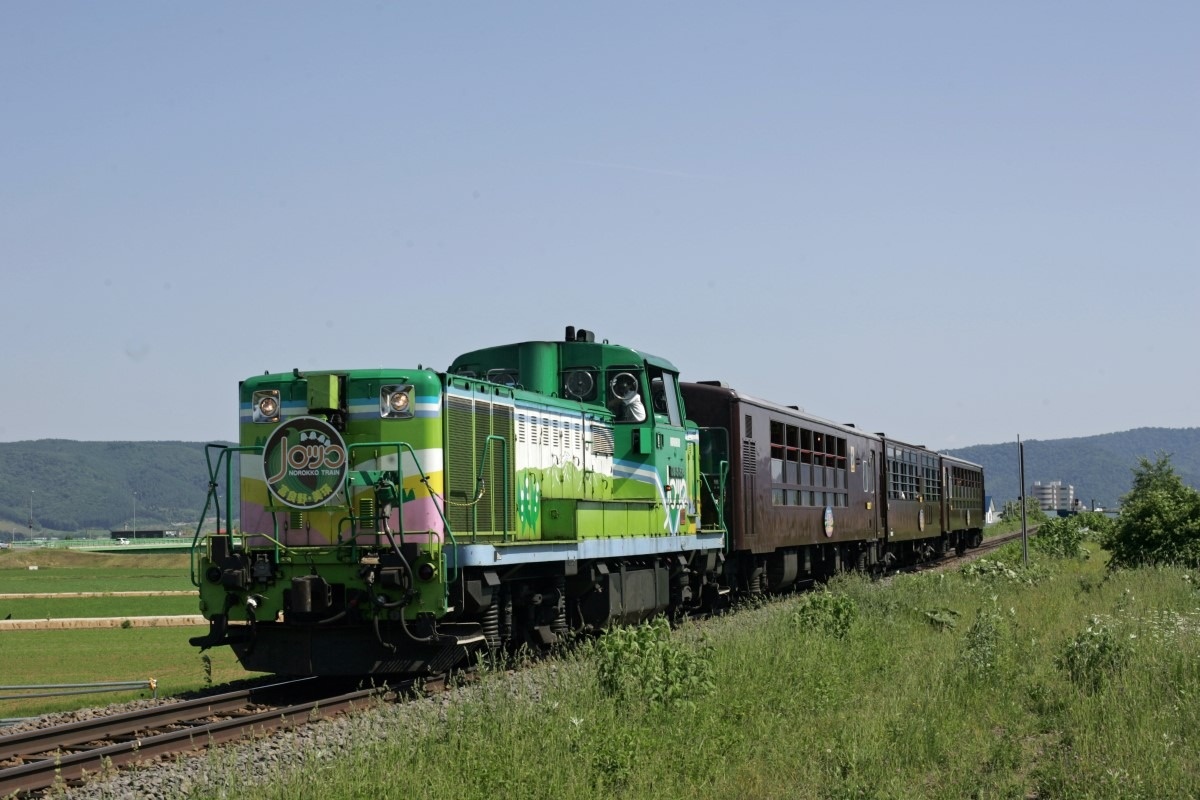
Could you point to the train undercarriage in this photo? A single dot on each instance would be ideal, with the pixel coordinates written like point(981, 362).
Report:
point(331, 630)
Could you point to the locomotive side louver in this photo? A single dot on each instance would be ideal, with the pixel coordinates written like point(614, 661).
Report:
point(470, 421)
point(602, 441)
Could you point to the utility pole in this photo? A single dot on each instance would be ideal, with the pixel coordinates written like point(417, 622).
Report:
point(1024, 529)
point(31, 491)
point(135, 515)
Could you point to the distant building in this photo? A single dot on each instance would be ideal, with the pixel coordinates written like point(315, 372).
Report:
point(141, 533)
point(989, 511)
point(1054, 496)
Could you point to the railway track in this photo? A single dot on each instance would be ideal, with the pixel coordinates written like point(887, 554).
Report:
point(989, 545)
point(952, 561)
point(36, 760)
point(995, 543)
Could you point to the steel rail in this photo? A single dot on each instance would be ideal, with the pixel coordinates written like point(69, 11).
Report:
point(32, 742)
point(51, 768)
point(952, 560)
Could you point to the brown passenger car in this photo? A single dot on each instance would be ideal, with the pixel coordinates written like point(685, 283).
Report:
point(806, 497)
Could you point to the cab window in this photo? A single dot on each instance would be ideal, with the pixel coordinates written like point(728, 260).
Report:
point(664, 397)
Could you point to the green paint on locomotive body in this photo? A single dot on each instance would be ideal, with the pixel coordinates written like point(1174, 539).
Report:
point(583, 468)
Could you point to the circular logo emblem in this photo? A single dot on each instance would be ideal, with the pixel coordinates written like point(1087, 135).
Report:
point(304, 461)
point(828, 520)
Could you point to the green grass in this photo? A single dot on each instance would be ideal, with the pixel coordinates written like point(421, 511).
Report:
point(65, 607)
point(107, 654)
point(70, 572)
point(73, 571)
point(1063, 681)
point(49, 581)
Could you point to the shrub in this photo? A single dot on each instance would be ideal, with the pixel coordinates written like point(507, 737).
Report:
point(1159, 521)
point(827, 612)
point(643, 661)
point(1061, 537)
point(943, 619)
point(989, 571)
point(981, 645)
point(1099, 525)
point(1093, 655)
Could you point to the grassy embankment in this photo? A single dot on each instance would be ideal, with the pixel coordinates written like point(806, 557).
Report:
point(99, 655)
point(1063, 681)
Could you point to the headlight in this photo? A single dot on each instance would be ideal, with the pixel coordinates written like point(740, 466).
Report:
point(266, 406)
point(395, 401)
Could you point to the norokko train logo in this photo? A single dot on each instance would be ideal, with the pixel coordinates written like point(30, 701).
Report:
point(304, 462)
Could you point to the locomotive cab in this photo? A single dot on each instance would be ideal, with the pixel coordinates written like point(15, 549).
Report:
point(633, 397)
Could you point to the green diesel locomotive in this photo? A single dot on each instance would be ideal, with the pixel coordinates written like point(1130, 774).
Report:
point(392, 521)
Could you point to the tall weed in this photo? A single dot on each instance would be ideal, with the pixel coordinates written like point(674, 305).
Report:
point(829, 613)
point(980, 653)
point(643, 662)
point(1094, 654)
point(994, 571)
point(1062, 537)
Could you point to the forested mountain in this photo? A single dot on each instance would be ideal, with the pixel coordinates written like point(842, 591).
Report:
point(77, 486)
point(91, 485)
point(1099, 467)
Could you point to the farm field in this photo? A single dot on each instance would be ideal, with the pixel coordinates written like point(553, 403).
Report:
point(91, 655)
point(63, 607)
point(66, 572)
point(72, 571)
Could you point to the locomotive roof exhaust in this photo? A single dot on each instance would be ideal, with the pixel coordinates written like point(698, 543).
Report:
point(580, 335)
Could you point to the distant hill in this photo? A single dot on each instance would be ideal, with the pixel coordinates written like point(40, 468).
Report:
point(1099, 467)
point(90, 485)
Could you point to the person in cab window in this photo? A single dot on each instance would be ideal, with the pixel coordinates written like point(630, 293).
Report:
point(628, 406)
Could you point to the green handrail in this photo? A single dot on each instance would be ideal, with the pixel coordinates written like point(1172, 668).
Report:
point(425, 480)
point(226, 456)
point(719, 500)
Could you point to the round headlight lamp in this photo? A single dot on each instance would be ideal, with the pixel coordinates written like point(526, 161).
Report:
point(265, 405)
point(395, 400)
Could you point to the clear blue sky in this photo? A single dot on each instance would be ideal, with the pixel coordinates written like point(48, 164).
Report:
point(953, 222)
